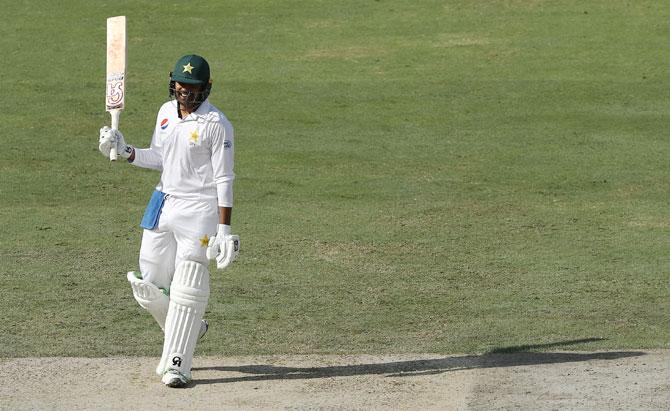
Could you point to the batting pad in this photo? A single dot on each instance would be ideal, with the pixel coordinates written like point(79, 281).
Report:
point(189, 293)
point(150, 297)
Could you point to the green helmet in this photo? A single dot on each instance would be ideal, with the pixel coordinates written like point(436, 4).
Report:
point(191, 69)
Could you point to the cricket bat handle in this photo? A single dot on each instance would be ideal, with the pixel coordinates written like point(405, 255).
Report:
point(116, 114)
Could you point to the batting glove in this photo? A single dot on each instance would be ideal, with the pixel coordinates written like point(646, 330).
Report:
point(223, 247)
point(109, 137)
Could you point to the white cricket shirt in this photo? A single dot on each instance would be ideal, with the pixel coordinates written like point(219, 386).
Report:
point(194, 154)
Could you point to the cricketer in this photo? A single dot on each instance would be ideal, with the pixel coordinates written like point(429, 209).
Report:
point(188, 219)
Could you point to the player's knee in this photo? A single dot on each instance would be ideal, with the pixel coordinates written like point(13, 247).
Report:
point(156, 271)
point(197, 256)
point(190, 285)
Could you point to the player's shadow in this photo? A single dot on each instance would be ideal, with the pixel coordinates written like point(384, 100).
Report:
point(501, 357)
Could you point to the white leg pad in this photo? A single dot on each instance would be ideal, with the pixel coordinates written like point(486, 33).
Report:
point(150, 297)
point(189, 293)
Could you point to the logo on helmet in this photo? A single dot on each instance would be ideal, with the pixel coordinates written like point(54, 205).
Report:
point(188, 68)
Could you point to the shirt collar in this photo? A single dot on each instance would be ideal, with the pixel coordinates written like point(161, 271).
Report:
point(203, 109)
point(200, 112)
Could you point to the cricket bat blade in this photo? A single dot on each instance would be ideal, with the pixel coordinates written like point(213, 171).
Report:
point(115, 95)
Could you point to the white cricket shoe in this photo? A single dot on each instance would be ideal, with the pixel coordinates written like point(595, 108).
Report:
point(174, 379)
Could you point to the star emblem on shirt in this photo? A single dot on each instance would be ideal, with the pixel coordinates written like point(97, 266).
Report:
point(194, 136)
point(204, 241)
point(188, 68)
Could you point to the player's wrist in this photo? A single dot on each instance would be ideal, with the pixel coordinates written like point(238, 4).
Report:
point(224, 229)
point(131, 157)
point(126, 151)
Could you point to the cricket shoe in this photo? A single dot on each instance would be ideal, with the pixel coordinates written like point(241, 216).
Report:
point(204, 326)
point(175, 379)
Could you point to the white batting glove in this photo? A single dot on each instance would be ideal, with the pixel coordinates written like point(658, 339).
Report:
point(223, 247)
point(109, 137)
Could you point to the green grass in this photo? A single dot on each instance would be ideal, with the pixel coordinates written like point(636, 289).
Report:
point(430, 176)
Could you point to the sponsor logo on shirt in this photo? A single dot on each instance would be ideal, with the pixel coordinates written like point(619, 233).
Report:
point(227, 144)
point(164, 124)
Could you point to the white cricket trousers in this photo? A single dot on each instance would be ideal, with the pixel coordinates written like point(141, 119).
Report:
point(184, 227)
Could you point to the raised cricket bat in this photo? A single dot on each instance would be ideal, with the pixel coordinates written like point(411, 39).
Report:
point(116, 71)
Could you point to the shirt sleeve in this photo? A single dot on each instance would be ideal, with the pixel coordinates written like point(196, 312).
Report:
point(151, 157)
point(223, 149)
point(148, 158)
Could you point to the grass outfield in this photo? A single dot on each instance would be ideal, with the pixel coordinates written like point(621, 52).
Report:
point(429, 176)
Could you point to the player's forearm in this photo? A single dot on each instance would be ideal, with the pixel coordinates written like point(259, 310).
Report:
point(147, 158)
point(225, 215)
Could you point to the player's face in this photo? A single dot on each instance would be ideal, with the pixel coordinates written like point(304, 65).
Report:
point(186, 94)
